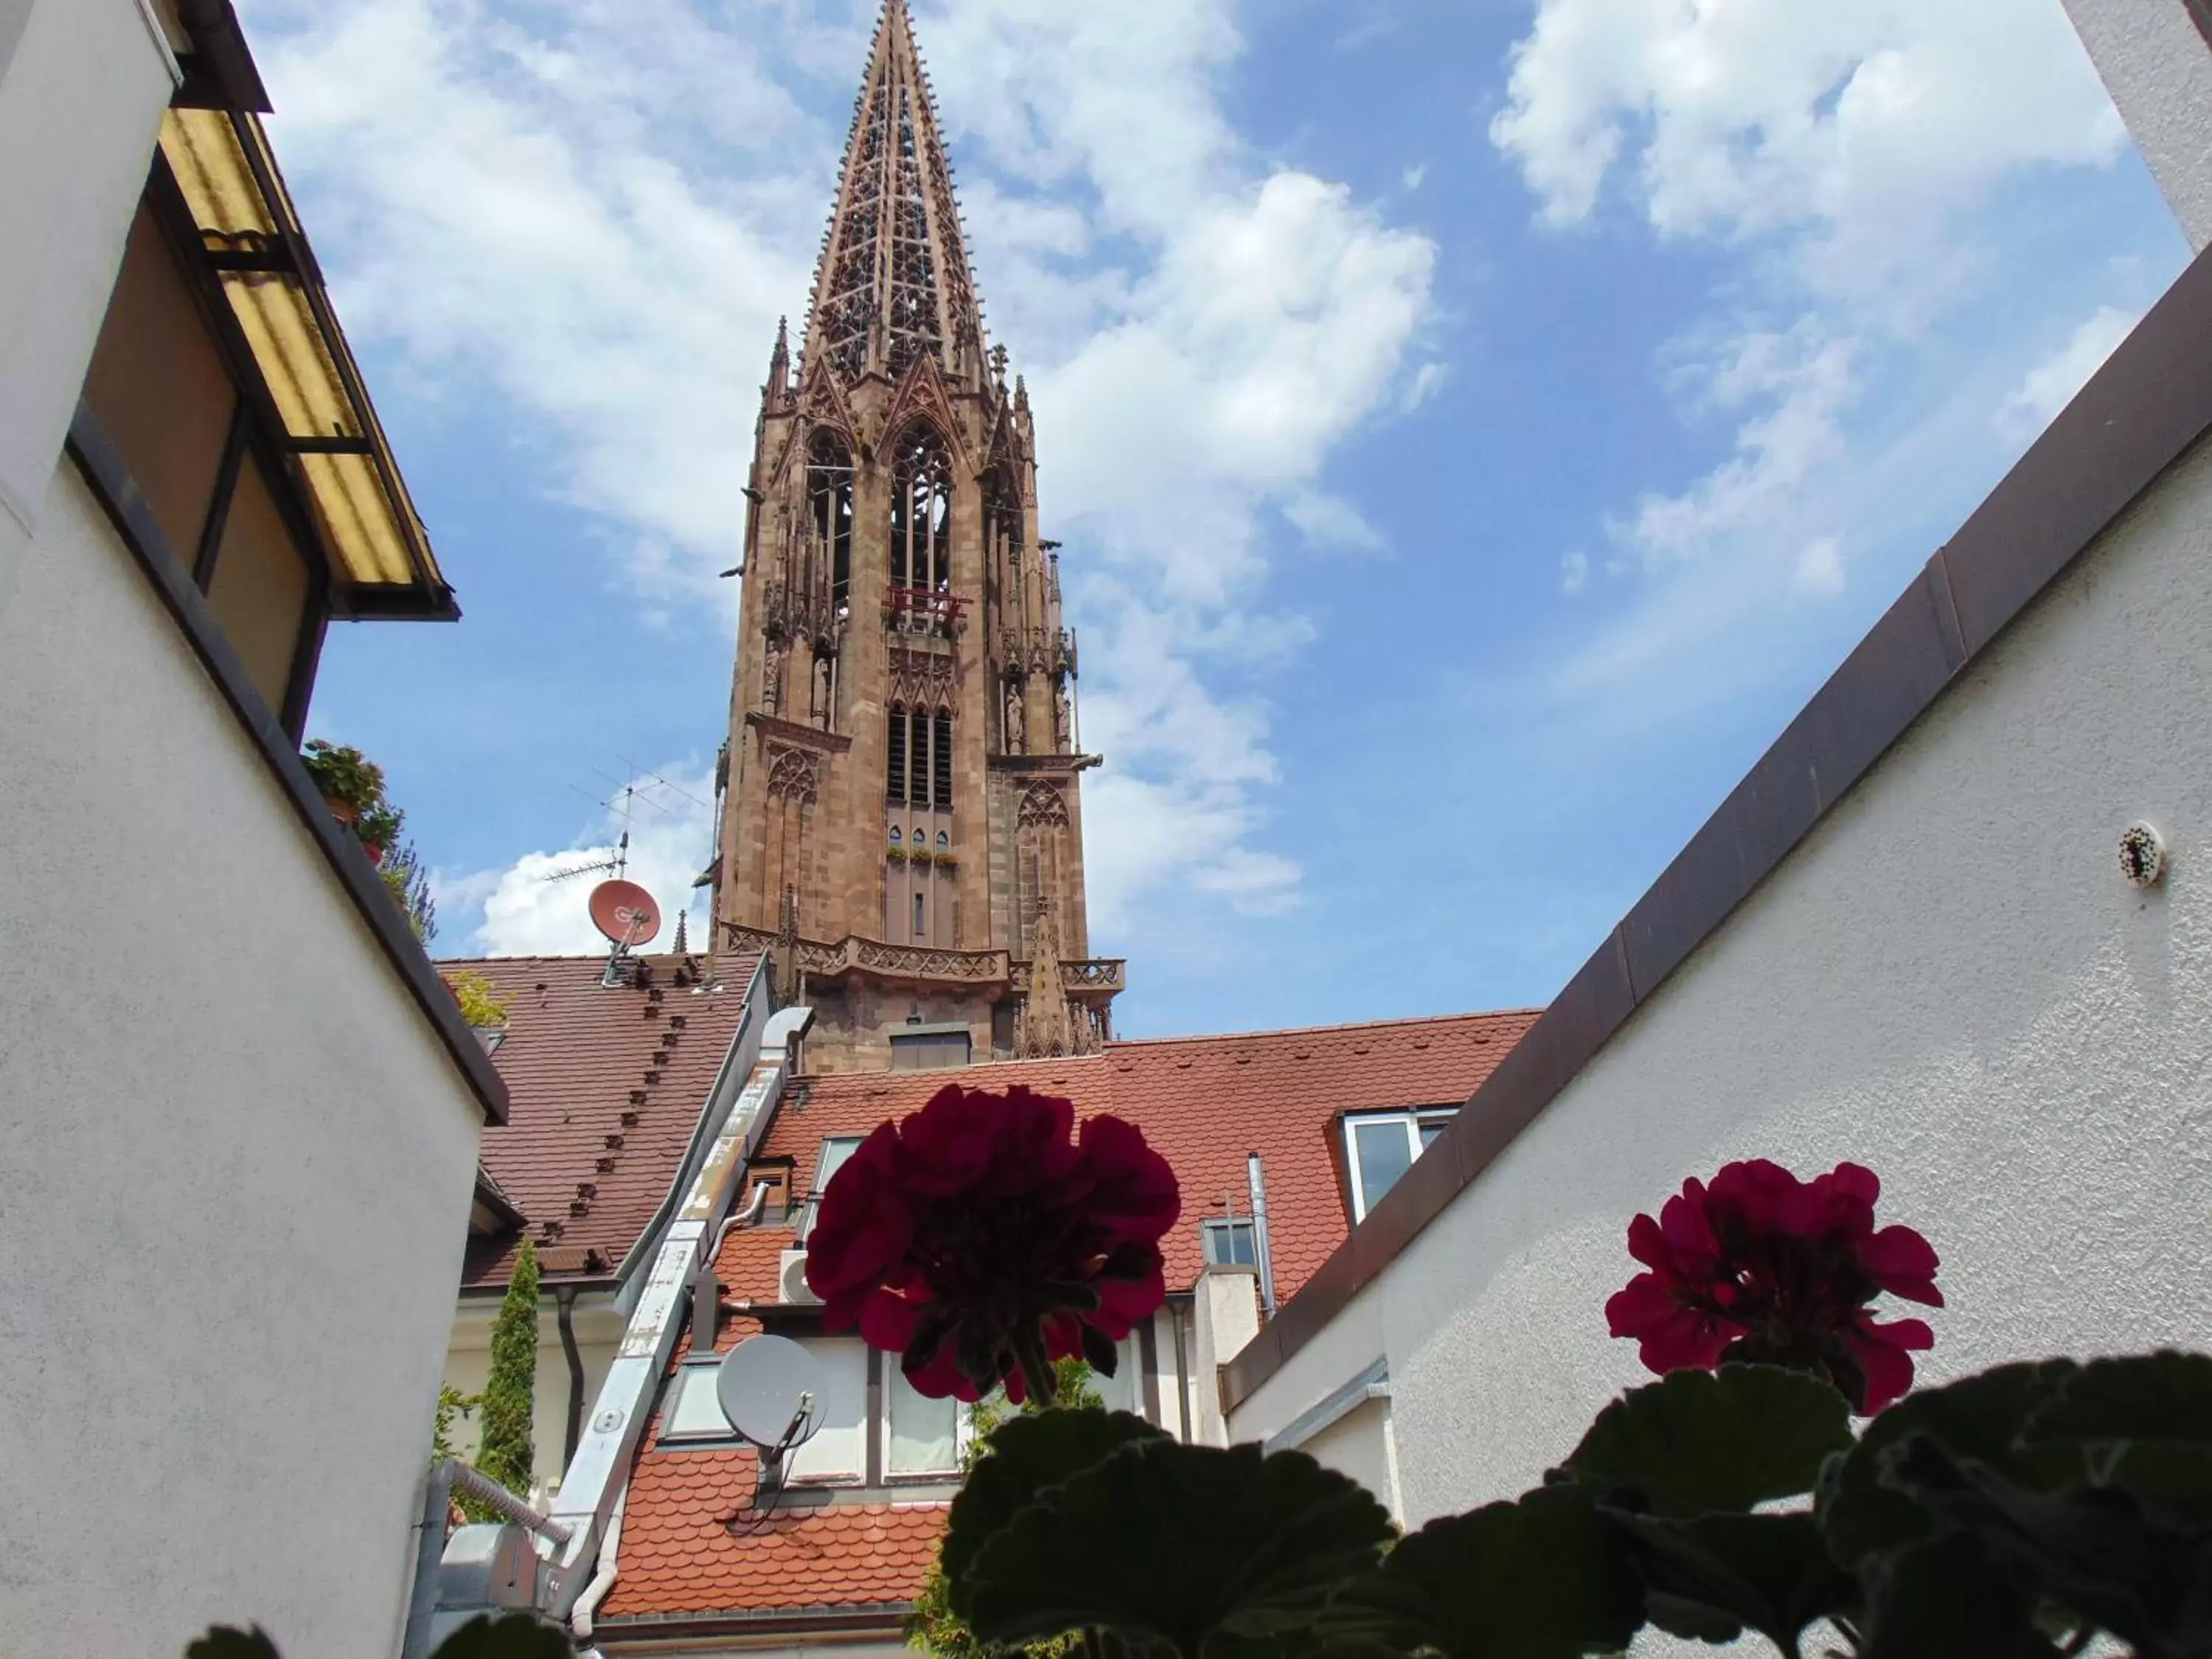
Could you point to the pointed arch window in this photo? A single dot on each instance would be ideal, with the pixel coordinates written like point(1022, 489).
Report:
point(830, 499)
point(918, 761)
point(922, 513)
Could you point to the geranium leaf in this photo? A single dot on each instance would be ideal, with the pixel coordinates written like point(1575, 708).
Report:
point(2143, 1422)
point(1189, 1545)
point(1709, 1577)
point(516, 1636)
point(1697, 1443)
point(1029, 1454)
point(1944, 1597)
point(225, 1643)
point(1544, 1577)
point(1979, 1416)
point(2094, 1550)
point(2157, 1396)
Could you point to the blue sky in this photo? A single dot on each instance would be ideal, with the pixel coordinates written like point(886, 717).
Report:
point(1475, 428)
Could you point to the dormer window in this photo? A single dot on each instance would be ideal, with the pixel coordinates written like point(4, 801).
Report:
point(1381, 1146)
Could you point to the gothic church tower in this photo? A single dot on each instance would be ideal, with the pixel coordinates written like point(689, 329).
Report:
point(901, 826)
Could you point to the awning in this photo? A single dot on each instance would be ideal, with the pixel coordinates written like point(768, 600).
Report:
point(380, 561)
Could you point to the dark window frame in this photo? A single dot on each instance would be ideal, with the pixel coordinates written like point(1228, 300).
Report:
point(257, 430)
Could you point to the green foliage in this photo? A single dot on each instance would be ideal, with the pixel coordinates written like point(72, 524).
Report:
point(403, 875)
point(378, 825)
point(2009, 1516)
point(225, 1643)
point(482, 1004)
point(1696, 1442)
point(1212, 1546)
point(1543, 1577)
point(452, 1403)
point(512, 1636)
point(1029, 1454)
point(343, 773)
point(933, 1625)
point(505, 1453)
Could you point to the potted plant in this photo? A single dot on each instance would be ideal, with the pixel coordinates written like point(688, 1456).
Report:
point(350, 782)
point(377, 826)
point(483, 1004)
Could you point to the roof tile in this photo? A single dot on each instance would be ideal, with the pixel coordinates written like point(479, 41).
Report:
point(606, 1085)
point(1205, 1103)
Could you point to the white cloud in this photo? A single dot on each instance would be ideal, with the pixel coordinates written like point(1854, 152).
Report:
point(2050, 385)
point(1865, 125)
point(1819, 567)
point(1428, 379)
point(1331, 521)
point(595, 212)
point(1847, 156)
point(1247, 319)
point(1574, 571)
point(527, 913)
point(1804, 381)
point(527, 214)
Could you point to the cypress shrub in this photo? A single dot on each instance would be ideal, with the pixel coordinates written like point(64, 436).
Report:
point(506, 1454)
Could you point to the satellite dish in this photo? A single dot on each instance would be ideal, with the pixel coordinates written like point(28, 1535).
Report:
point(625, 913)
point(770, 1390)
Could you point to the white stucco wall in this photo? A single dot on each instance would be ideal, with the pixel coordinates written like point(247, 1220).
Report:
point(81, 100)
point(238, 1161)
point(1949, 981)
point(2155, 63)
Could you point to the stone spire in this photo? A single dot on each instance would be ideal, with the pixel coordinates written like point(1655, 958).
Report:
point(894, 283)
point(1050, 1025)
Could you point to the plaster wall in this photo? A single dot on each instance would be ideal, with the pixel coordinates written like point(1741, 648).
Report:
point(82, 86)
point(242, 1161)
point(598, 1325)
point(2157, 65)
point(1359, 1444)
point(1949, 981)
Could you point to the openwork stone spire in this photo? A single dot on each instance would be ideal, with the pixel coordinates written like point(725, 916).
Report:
point(894, 283)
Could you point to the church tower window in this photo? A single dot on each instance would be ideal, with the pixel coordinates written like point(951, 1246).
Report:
point(941, 761)
point(921, 513)
point(895, 780)
point(829, 496)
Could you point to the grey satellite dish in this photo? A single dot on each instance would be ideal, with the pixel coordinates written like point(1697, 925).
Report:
point(769, 1388)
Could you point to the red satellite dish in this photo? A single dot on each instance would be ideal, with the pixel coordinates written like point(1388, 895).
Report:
point(625, 913)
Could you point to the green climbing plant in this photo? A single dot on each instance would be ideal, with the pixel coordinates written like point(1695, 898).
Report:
point(506, 1453)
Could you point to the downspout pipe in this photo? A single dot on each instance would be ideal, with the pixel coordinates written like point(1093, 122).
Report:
point(564, 1304)
point(1264, 1256)
point(588, 1605)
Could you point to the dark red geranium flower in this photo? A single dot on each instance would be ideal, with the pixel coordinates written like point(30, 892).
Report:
point(981, 1243)
point(1761, 1266)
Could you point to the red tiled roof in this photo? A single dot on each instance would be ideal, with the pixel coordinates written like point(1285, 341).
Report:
point(1205, 1103)
point(606, 1085)
point(680, 1554)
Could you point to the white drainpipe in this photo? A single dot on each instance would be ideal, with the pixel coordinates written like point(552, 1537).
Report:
point(597, 1476)
point(587, 1605)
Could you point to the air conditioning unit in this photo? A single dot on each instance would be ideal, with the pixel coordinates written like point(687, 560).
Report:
point(790, 1279)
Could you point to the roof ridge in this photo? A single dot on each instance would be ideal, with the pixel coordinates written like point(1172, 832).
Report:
point(1317, 1030)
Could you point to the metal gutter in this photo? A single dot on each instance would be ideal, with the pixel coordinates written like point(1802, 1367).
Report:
point(758, 1002)
point(597, 1476)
